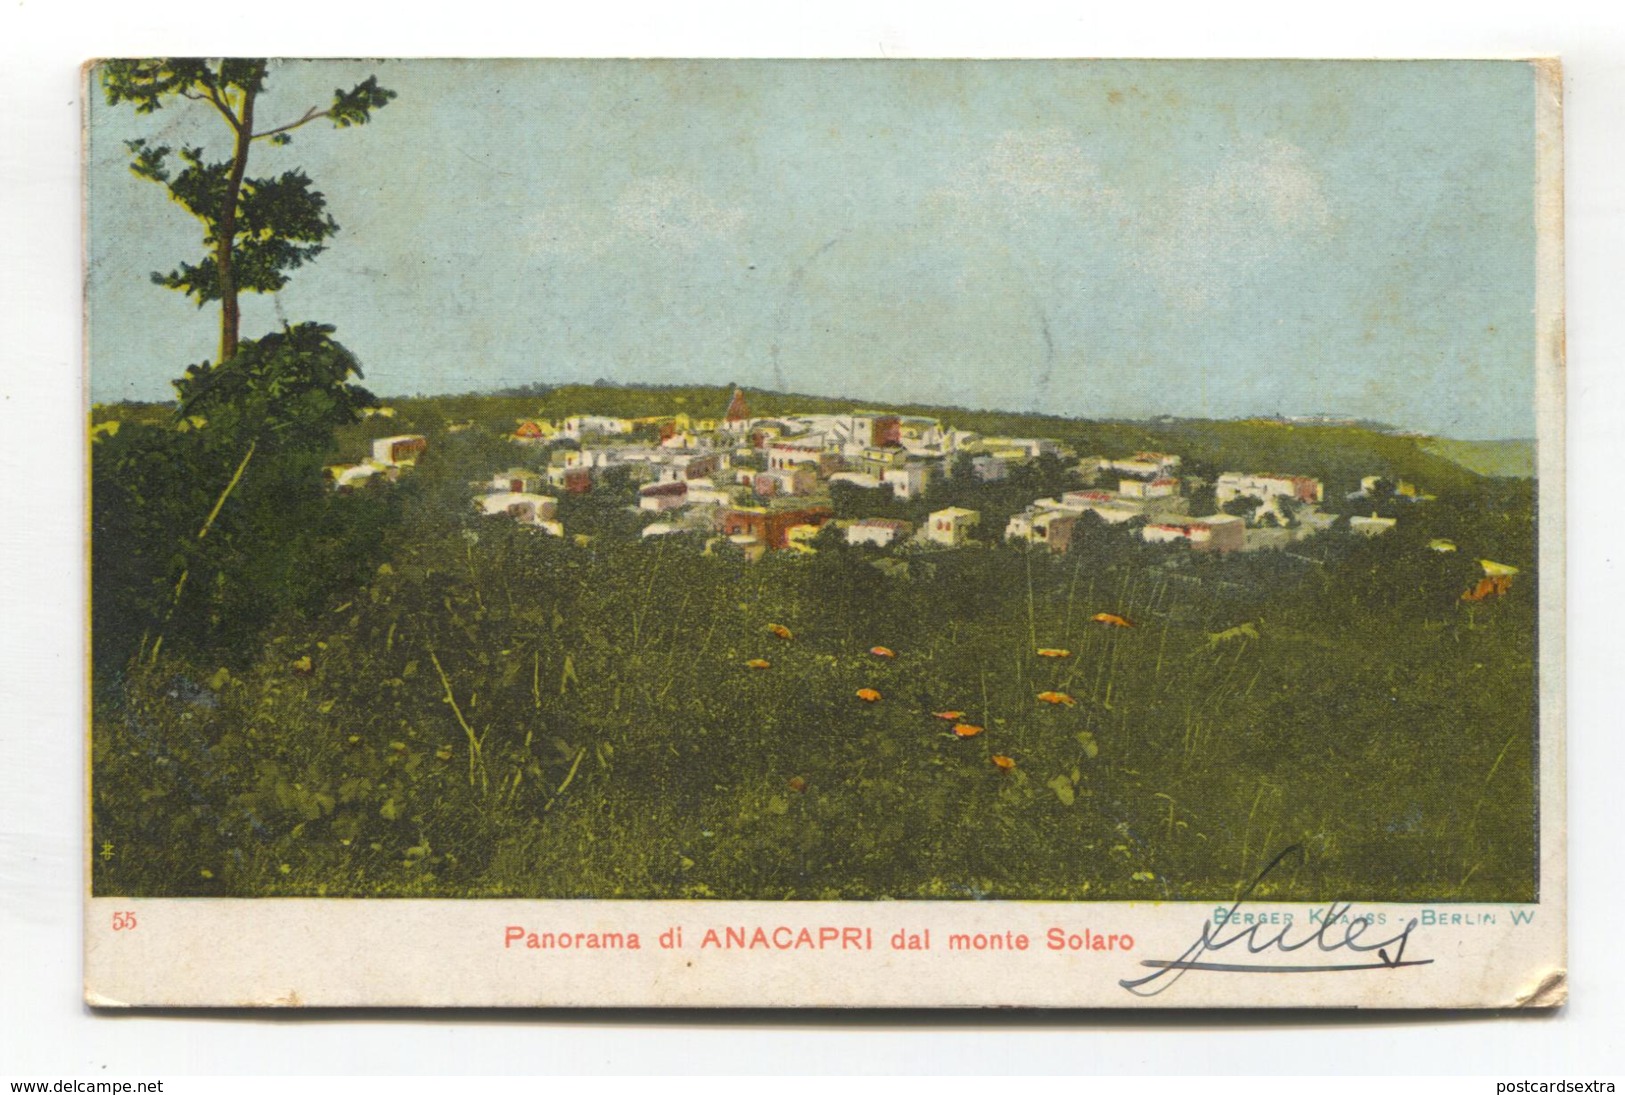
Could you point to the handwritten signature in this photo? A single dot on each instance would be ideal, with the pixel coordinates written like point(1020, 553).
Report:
point(1337, 931)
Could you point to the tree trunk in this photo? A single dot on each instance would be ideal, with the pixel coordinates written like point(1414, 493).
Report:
point(230, 318)
point(208, 523)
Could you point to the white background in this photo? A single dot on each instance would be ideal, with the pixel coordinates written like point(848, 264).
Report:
point(44, 1028)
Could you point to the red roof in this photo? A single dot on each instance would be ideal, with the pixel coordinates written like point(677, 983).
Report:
point(737, 410)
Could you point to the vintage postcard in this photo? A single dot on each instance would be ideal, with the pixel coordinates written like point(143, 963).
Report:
point(807, 533)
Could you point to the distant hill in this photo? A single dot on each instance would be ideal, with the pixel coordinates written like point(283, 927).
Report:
point(1340, 455)
point(1510, 459)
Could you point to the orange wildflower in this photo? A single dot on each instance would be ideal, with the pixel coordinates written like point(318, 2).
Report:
point(882, 652)
point(1057, 697)
point(1005, 763)
point(868, 695)
point(1110, 619)
point(1052, 652)
point(780, 630)
point(951, 716)
point(759, 663)
point(966, 730)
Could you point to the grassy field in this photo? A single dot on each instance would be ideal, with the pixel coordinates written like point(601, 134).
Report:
point(383, 694)
point(1513, 459)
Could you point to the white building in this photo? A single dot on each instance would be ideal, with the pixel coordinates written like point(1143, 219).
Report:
point(1111, 508)
point(856, 479)
point(908, 481)
point(703, 492)
point(1234, 484)
point(350, 476)
point(518, 480)
point(691, 466)
point(1037, 524)
point(577, 425)
point(879, 531)
point(918, 428)
point(850, 434)
point(951, 526)
point(1163, 487)
point(402, 449)
point(660, 497)
point(989, 469)
point(800, 480)
point(1145, 465)
point(786, 454)
point(1020, 527)
point(1218, 532)
point(921, 451)
point(664, 528)
point(522, 506)
point(1371, 526)
point(593, 458)
point(1021, 448)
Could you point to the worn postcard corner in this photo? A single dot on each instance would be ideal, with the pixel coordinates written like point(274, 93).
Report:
point(97, 1000)
point(825, 533)
point(1552, 991)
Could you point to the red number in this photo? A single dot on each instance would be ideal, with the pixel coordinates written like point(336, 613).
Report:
point(124, 921)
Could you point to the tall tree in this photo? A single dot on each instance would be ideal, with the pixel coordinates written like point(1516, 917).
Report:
point(255, 229)
point(286, 391)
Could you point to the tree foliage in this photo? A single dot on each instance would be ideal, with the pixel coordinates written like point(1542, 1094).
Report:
point(1242, 505)
point(207, 554)
point(255, 229)
point(290, 389)
point(280, 549)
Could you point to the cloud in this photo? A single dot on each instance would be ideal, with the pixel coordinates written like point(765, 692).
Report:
point(1193, 233)
point(1030, 175)
point(1261, 203)
point(660, 213)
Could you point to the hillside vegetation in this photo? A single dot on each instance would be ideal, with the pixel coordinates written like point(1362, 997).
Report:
point(382, 693)
point(1511, 459)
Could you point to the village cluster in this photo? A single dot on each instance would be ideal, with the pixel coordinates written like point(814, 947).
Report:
point(753, 484)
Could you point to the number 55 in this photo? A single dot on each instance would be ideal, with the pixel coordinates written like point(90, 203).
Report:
point(123, 921)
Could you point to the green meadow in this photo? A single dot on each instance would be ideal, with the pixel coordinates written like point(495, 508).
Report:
point(384, 694)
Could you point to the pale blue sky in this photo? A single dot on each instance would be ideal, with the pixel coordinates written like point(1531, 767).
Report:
point(1099, 239)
